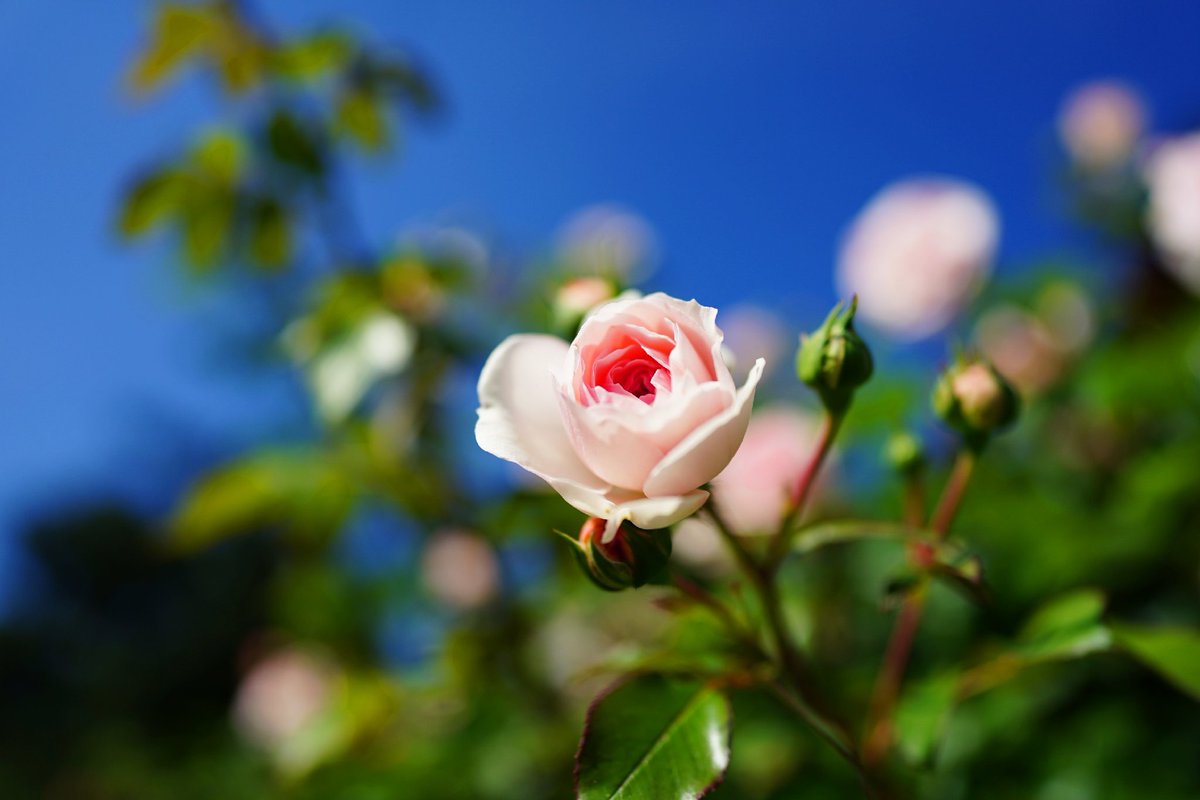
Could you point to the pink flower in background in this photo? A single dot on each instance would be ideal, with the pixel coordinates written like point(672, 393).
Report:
point(281, 696)
point(752, 491)
point(917, 254)
point(1021, 348)
point(630, 419)
point(1173, 216)
point(608, 240)
point(460, 569)
point(1100, 124)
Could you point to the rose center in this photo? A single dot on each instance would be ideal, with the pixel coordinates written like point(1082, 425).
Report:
point(636, 377)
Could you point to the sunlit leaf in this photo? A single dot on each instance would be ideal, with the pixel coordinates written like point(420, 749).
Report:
point(313, 56)
point(149, 202)
point(180, 31)
point(207, 220)
point(1173, 652)
point(824, 534)
point(301, 491)
point(653, 738)
point(1067, 627)
point(361, 117)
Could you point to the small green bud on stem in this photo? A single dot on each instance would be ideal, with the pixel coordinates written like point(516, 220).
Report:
point(834, 360)
point(974, 399)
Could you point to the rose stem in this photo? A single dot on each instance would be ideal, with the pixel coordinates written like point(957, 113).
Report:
point(781, 543)
point(878, 736)
point(791, 661)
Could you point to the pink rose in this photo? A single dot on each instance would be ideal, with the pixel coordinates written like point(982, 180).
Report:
point(917, 253)
point(626, 422)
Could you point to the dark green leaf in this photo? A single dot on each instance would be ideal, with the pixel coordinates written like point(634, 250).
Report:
point(1172, 652)
point(654, 738)
point(293, 144)
point(270, 234)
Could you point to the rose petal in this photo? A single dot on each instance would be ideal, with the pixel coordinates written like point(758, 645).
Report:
point(611, 449)
point(708, 449)
point(519, 418)
point(652, 512)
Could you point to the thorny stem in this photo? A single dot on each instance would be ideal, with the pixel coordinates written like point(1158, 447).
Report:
point(799, 493)
point(878, 735)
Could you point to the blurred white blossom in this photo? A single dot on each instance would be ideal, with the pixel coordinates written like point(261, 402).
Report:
point(917, 253)
point(1100, 124)
point(609, 241)
point(1173, 216)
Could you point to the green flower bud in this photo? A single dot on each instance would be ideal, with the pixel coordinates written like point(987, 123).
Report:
point(974, 399)
point(834, 359)
point(904, 453)
point(634, 557)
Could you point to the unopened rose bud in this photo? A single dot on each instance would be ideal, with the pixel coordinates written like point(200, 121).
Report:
point(974, 399)
point(904, 453)
point(834, 359)
point(632, 558)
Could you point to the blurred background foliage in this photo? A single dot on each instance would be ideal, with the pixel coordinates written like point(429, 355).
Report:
point(348, 612)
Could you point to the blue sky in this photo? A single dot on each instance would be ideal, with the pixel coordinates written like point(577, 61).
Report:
point(748, 134)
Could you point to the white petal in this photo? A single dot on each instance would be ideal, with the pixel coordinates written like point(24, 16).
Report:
point(653, 512)
point(519, 418)
point(708, 449)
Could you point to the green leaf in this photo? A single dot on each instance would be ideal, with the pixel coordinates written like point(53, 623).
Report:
point(270, 234)
point(360, 116)
point(313, 56)
point(1067, 627)
point(149, 202)
point(1173, 652)
point(823, 534)
point(180, 31)
point(654, 738)
point(922, 715)
point(299, 490)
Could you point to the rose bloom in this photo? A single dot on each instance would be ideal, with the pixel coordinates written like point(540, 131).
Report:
point(460, 569)
point(607, 240)
point(917, 253)
point(1173, 216)
point(626, 422)
point(1100, 124)
point(752, 492)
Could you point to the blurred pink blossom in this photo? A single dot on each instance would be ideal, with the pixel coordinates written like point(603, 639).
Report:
point(460, 569)
point(1100, 124)
point(1021, 348)
point(281, 696)
point(917, 254)
point(752, 491)
point(1173, 216)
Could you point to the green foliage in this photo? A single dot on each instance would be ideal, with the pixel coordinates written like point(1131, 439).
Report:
point(653, 737)
point(1172, 652)
point(301, 491)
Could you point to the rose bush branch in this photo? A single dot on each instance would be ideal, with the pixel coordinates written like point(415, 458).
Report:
point(976, 401)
